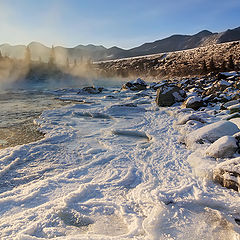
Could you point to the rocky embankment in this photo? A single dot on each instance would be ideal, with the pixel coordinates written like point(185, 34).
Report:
point(207, 112)
point(194, 62)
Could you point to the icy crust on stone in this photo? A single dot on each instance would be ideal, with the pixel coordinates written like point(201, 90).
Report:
point(228, 174)
point(224, 147)
point(211, 143)
point(193, 99)
point(211, 132)
point(232, 165)
point(191, 116)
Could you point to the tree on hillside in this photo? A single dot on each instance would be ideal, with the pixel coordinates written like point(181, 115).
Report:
point(67, 63)
point(81, 60)
point(231, 65)
point(212, 66)
point(75, 63)
point(27, 56)
point(52, 58)
point(1, 55)
point(204, 67)
point(89, 62)
point(224, 66)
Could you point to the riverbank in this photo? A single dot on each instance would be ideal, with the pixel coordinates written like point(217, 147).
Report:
point(188, 63)
point(112, 167)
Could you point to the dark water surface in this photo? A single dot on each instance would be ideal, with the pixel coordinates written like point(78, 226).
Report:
point(18, 110)
point(23, 102)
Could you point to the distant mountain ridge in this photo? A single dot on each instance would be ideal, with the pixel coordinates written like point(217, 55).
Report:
point(97, 53)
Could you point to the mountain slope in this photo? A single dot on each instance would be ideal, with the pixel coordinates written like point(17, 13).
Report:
point(96, 53)
point(170, 44)
point(229, 35)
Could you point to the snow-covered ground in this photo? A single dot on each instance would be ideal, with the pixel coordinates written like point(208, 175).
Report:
point(112, 167)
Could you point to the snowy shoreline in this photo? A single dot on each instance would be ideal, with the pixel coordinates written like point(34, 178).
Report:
point(112, 167)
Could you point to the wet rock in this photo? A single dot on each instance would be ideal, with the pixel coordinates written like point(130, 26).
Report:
point(193, 102)
point(168, 95)
point(224, 147)
point(136, 85)
point(91, 90)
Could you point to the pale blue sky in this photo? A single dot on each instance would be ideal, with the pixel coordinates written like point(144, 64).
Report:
point(125, 23)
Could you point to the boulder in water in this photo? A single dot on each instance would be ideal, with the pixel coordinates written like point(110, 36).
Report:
point(136, 85)
point(91, 90)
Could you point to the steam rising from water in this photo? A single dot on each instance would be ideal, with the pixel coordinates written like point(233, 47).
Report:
point(56, 72)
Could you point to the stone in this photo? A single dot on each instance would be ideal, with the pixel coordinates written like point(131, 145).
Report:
point(91, 90)
point(234, 108)
point(224, 147)
point(228, 104)
point(136, 85)
point(188, 117)
point(193, 102)
point(211, 132)
point(227, 174)
point(168, 95)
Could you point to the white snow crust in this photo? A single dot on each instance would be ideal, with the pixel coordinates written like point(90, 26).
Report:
point(211, 132)
point(224, 147)
point(108, 168)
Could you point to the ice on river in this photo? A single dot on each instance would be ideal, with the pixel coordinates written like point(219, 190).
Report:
point(110, 168)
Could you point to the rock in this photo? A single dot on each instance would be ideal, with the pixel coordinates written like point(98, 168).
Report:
point(221, 76)
point(229, 103)
point(188, 127)
point(228, 174)
point(188, 117)
point(224, 147)
point(168, 95)
point(209, 98)
point(193, 102)
point(222, 85)
point(91, 90)
point(136, 85)
point(232, 116)
point(211, 132)
point(236, 121)
point(158, 85)
point(216, 88)
point(225, 75)
point(234, 108)
point(237, 137)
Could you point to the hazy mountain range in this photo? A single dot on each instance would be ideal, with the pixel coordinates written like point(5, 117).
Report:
point(96, 53)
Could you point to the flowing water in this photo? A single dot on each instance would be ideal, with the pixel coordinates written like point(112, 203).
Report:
point(23, 102)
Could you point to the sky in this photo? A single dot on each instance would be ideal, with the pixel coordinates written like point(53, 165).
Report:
point(122, 23)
